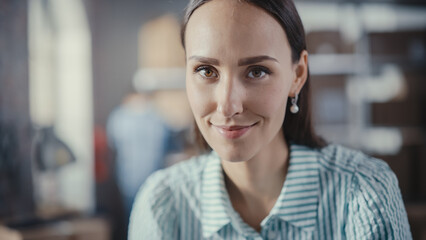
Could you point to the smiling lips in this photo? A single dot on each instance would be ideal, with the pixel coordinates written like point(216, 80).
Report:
point(233, 132)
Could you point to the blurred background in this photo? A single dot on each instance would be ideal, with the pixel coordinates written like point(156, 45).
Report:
point(92, 101)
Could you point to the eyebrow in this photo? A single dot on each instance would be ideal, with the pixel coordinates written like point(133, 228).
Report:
point(241, 62)
point(257, 59)
point(205, 60)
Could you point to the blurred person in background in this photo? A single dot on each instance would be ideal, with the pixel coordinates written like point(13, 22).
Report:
point(265, 173)
point(141, 139)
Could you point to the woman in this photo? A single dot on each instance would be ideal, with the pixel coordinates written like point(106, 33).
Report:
point(268, 176)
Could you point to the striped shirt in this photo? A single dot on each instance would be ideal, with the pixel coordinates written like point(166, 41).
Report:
point(331, 193)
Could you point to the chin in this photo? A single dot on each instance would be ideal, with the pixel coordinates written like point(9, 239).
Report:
point(233, 155)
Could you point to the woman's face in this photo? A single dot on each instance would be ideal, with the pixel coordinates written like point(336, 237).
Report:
point(239, 75)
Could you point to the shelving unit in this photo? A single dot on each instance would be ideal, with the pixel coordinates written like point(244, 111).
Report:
point(367, 64)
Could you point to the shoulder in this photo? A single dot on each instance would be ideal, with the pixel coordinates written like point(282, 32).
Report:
point(188, 171)
point(170, 183)
point(365, 172)
point(367, 176)
point(359, 174)
point(351, 162)
point(374, 203)
point(155, 210)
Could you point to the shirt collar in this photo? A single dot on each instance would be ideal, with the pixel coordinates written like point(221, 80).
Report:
point(299, 197)
point(297, 203)
point(215, 203)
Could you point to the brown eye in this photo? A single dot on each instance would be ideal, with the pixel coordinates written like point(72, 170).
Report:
point(258, 73)
point(206, 72)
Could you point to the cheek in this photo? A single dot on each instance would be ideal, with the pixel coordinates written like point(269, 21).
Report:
point(270, 101)
point(199, 98)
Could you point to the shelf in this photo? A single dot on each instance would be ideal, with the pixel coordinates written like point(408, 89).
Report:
point(334, 64)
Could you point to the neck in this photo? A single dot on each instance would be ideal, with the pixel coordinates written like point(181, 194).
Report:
point(254, 185)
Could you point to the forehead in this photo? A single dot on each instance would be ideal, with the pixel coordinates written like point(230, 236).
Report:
point(231, 26)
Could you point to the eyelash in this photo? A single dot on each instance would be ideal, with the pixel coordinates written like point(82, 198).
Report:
point(253, 68)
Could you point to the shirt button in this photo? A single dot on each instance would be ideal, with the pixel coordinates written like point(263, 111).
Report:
point(272, 234)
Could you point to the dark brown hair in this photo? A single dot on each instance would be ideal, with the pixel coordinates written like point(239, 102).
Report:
point(298, 127)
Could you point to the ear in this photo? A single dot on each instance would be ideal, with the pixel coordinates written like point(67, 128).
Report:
point(300, 70)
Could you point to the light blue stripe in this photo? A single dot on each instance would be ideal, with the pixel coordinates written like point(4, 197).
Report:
point(297, 205)
point(304, 163)
point(303, 177)
point(302, 191)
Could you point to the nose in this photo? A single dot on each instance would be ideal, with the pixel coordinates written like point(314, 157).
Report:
point(230, 94)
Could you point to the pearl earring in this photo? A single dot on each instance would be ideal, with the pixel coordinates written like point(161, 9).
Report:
point(294, 108)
